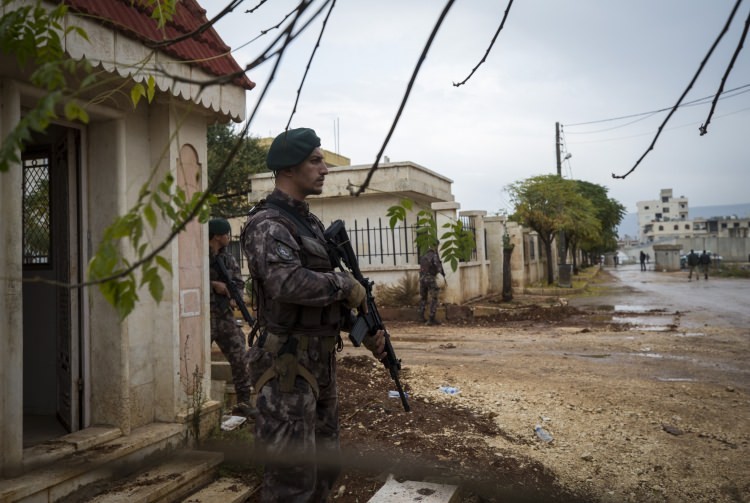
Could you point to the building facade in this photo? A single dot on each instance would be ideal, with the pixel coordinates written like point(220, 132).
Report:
point(66, 357)
point(665, 217)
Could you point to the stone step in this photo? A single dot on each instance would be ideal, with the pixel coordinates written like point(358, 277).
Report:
point(95, 464)
point(394, 491)
point(178, 475)
point(54, 450)
point(222, 490)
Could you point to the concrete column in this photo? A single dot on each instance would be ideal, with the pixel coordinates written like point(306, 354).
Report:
point(495, 227)
point(446, 212)
point(478, 217)
point(517, 260)
point(11, 295)
point(109, 362)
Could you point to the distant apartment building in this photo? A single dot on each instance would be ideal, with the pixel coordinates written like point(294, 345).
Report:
point(667, 218)
point(722, 227)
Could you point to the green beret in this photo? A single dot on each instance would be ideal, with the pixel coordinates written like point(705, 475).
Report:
point(291, 148)
point(218, 227)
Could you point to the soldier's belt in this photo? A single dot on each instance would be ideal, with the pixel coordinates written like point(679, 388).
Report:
point(286, 365)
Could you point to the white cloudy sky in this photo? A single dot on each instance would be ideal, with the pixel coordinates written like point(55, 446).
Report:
point(570, 62)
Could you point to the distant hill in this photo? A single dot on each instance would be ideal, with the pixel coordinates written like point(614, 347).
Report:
point(629, 224)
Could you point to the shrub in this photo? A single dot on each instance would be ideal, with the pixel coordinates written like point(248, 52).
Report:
point(404, 293)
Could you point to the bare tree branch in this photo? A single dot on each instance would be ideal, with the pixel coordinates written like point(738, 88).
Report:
point(205, 26)
point(250, 11)
point(422, 57)
point(704, 127)
point(267, 30)
point(309, 62)
point(690, 85)
point(265, 56)
point(180, 226)
point(487, 53)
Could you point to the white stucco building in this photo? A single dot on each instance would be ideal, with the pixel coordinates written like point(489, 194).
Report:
point(67, 362)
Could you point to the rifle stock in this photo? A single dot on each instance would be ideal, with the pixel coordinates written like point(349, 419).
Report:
point(368, 323)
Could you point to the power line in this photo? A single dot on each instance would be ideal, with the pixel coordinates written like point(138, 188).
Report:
point(699, 101)
point(691, 124)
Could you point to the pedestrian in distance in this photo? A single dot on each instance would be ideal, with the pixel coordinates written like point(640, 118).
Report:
point(302, 306)
point(692, 262)
point(429, 267)
point(224, 329)
point(643, 260)
point(705, 262)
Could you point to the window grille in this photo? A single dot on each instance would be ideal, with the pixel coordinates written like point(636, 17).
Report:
point(37, 210)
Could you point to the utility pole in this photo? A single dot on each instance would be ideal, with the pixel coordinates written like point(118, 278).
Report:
point(557, 149)
point(563, 276)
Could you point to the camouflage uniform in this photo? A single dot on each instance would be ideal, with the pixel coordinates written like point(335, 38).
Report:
point(224, 330)
point(429, 267)
point(293, 364)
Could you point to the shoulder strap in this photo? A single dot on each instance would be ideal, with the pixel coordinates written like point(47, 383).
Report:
point(303, 227)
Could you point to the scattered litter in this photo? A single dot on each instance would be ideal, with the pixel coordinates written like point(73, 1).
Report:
point(394, 394)
point(672, 430)
point(543, 434)
point(229, 423)
point(449, 390)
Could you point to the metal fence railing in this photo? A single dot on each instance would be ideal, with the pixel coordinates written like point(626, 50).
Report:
point(376, 243)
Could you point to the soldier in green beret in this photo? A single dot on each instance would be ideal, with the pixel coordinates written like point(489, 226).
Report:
point(303, 304)
point(224, 330)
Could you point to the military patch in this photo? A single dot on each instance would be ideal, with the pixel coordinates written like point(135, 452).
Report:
point(284, 251)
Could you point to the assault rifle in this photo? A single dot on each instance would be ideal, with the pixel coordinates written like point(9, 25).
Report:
point(234, 292)
point(340, 249)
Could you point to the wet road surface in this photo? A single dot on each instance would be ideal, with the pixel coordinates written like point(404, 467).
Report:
point(716, 302)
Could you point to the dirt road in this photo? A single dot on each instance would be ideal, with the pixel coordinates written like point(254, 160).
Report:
point(644, 384)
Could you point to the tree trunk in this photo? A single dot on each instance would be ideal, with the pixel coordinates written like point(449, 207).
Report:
point(507, 280)
point(550, 265)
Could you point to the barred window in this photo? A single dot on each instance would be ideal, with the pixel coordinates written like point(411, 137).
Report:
point(36, 210)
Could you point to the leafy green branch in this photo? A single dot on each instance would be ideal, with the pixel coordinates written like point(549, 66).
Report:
point(34, 34)
point(457, 243)
point(114, 273)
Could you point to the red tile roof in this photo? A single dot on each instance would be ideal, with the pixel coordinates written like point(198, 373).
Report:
point(205, 50)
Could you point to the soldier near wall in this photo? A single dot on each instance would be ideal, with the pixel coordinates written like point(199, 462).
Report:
point(224, 330)
point(429, 267)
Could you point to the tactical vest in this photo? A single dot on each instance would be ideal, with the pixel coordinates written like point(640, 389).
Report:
point(285, 318)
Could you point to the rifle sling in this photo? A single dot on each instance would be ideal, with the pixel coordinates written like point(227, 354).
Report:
point(303, 227)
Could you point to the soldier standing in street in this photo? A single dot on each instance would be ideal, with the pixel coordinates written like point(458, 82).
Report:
point(303, 304)
point(429, 267)
point(705, 262)
point(692, 262)
point(224, 330)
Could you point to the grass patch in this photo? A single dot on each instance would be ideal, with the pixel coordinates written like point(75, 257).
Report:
point(731, 270)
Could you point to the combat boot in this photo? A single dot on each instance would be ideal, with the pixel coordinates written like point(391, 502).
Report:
point(433, 321)
point(244, 409)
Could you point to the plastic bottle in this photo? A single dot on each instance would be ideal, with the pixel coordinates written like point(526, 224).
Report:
point(543, 434)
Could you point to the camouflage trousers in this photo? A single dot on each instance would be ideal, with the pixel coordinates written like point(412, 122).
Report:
point(297, 432)
point(231, 341)
point(428, 287)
